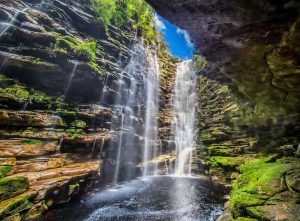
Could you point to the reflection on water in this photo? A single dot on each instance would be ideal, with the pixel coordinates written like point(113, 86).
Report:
point(159, 198)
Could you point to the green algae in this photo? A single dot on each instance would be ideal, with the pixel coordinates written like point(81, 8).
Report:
point(4, 170)
point(12, 186)
point(14, 205)
point(226, 162)
point(260, 179)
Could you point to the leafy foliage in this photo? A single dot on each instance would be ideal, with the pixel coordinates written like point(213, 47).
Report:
point(69, 44)
point(119, 12)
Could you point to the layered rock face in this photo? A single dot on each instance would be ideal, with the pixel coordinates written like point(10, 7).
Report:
point(249, 99)
point(56, 58)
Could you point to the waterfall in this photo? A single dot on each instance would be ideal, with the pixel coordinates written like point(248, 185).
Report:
point(4, 27)
point(184, 116)
point(135, 114)
point(69, 83)
point(152, 102)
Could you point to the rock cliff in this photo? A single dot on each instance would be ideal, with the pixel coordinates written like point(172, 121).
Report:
point(59, 74)
point(249, 99)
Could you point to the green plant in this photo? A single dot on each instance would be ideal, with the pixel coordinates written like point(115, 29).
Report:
point(199, 62)
point(86, 49)
point(67, 44)
point(105, 10)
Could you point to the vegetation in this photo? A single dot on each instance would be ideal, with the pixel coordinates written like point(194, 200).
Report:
point(12, 186)
point(22, 94)
point(200, 62)
point(30, 141)
point(261, 179)
point(5, 170)
point(85, 50)
point(118, 12)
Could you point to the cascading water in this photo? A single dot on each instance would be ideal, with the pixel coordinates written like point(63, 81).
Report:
point(134, 116)
point(151, 127)
point(69, 83)
point(184, 116)
point(155, 198)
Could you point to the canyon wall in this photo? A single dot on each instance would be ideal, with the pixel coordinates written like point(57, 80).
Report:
point(60, 67)
point(248, 120)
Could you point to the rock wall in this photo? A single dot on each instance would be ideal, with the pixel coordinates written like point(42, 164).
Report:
point(59, 74)
point(248, 100)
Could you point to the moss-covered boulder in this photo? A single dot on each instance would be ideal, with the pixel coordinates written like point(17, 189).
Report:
point(260, 187)
point(14, 205)
point(12, 186)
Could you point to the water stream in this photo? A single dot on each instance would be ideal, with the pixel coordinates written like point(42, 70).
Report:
point(135, 114)
point(4, 27)
point(157, 198)
point(174, 197)
point(184, 116)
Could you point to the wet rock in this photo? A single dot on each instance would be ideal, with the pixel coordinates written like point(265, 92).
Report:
point(293, 180)
point(7, 161)
point(6, 170)
point(27, 118)
point(36, 211)
point(12, 186)
point(43, 163)
point(15, 217)
point(261, 188)
point(281, 211)
point(15, 205)
point(26, 147)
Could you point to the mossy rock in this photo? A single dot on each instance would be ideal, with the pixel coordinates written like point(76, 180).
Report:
point(281, 211)
point(245, 219)
point(36, 211)
point(218, 150)
point(14, 206)
point(7, 161)
point(260, 180)
point(4, 170)
point(15, 217)
point(12, 186)
point(73, 189)
point(226, 162)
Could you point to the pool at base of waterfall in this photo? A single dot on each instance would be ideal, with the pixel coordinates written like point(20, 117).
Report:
point(157, 198)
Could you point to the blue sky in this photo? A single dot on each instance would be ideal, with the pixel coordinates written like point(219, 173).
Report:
point(179, 41)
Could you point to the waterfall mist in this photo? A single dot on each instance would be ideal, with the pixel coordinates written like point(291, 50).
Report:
point(135, 114)
point(184, 116)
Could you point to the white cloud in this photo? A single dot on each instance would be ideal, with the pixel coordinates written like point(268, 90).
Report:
point(186, 36)
point(159, 23)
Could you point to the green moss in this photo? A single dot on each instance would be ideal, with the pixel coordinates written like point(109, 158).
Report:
point(260, 179)
point(87, 49)
point(80, 49)
point(5, 170)
point(30, 141)
point(36, 211)
point(78, 124)
point(219, 150)
point(73, 189)
point(23, 94)
point(221, 161)
point(245, 219)
point(14, 205)
point(199, 62)
point(17, 92)
point(12, 186)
